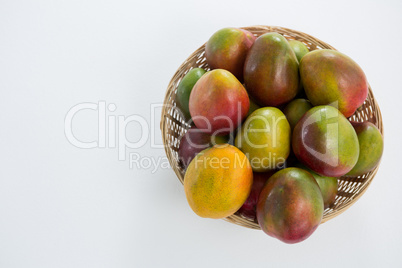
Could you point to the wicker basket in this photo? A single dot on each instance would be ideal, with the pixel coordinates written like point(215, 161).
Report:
point(173, 125)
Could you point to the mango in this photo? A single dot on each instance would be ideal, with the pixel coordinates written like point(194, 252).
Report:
point(328, 186)
point(290, 206)
point(371, 148)
point(218, 102)
point(295, 109)
point(227, 49)
point(271, 73)
point(193, 142)
point(184, 89)
point(218, 181)
point(265, 139)
point(249, 208)
point(325, 141)
point(299, 48)
point(332, 78)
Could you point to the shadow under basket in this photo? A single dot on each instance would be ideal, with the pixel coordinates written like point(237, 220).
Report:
point(173, 125)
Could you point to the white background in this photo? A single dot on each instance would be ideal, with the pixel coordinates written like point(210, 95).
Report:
point(61, 206)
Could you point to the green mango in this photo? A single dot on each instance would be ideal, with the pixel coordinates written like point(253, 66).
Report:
point(295, 110)
point(371, 147)
point(265, 139)
point(299, 48)
point(325, 141)
point(328, 186)
point(184, 89)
